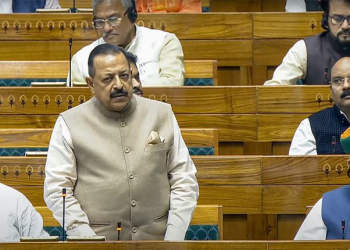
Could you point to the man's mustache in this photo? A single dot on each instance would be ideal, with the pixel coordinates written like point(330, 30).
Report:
point(118, 93)
point(345, 93)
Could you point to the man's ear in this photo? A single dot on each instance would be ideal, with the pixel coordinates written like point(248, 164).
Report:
point(90, 84)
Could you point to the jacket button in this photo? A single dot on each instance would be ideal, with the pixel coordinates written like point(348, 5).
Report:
point(127, 150)
point(134, 229)
point(122, 124)
point(133, 203)
point(131, 176)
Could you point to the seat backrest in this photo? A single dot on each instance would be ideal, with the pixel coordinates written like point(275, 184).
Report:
point(54, 73)
point(15, 142)
point(206, 224)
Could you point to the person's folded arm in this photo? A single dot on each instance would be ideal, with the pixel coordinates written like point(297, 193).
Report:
point(292, 68)
point(61, 172)
point(52, 4)
point(77, 75)
point(304, 142)
point(171, 65)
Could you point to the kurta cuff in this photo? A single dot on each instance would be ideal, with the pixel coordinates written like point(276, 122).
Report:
point(174, 233)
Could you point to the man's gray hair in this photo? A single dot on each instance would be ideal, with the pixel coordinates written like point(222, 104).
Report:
point(126, 3)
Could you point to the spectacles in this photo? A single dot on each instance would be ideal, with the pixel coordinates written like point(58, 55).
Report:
point(339, 82)
point(113, 21)
point(339, 19)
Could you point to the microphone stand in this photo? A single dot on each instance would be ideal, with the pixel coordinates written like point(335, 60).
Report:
point(73, 10)
point(70, 62)
point(64, 191)
point(119, 228)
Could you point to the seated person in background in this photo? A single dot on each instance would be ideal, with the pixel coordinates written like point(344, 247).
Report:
point(27, 6)
point(123, 155)
point(308, 58)
point(166, 6)
point(18, 218)
point(320, 133)
point(302, 5)
point(136, 82)
point(159, 53)
point(326, 217)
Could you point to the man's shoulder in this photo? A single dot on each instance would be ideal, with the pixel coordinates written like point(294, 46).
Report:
point(154, 33)
point(341, 190)
point(323, 112)
point(316, 37)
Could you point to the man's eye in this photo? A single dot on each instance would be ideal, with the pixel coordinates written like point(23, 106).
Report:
point(338, 18)
point(124, 76)
point(107, 79)
point(113, 19)
point(338, 80)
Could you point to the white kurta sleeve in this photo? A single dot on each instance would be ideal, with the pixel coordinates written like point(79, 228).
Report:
point(30, 222)
point(295, 6)
point(183, 186)
point(52, 4)
point(313, 227)
point(303, 142)
point(61, 172)
point(171, 65)
point(77, 75)
point(293, 67)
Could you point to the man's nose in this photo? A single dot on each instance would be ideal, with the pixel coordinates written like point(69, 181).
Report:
point(117, 84)
point(346, 84)
point(345, 25)
point(107, 27)
point(135, 83)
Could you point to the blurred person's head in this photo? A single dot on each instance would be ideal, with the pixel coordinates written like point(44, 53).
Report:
point(340, 84)
point(336, 19)
point(136, 82)
point(114, 20)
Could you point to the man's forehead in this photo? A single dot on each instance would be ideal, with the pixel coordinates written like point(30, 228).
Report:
point(117, 61)
point(109, 7)
point(341, 68)
point(339, 7)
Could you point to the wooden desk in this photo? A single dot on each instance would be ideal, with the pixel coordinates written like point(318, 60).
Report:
point(263, 197)
point(184, 245)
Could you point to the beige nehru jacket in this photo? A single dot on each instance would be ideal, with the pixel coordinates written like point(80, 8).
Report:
point(119, 177)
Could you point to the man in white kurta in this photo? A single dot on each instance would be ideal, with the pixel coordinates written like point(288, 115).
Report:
point(159, 53)
point(18, 218)
point(319, 134)
point(308, 60)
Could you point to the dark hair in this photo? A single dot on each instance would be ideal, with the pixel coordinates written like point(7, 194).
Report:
point(104, 49)
point(131, 57)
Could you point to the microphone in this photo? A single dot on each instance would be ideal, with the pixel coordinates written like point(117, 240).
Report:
point(70, 62)
point(334, 143)
point(326, 75)
point(73, 10)
point(64, 191)
point(343, 228)
point(119, 228)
